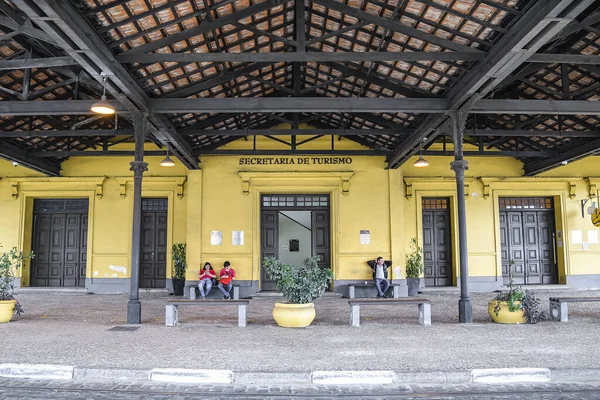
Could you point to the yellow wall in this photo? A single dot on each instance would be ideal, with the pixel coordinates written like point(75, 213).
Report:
point(224, 196)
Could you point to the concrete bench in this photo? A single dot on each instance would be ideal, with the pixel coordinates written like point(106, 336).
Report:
point(396, 289)
point(424, 308)
point(172, 309)
point(235, 290)
point(558, 306)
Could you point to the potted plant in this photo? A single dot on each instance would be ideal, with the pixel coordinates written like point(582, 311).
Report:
point(179, 265)
point(299, 287)
point(515, 305)
point(9, 264)
point(414, 267)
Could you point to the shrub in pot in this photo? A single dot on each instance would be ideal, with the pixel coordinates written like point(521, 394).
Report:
point(414, 267)
point(299, 287)
point(515, 305)
point(179, 267)
point(9, 264)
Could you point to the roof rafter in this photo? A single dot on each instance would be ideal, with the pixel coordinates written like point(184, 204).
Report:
point(96, 59)
point(542, 21)
point(566, 156)
point(16, 154)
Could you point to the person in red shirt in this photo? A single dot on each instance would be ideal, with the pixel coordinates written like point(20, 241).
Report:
point(226, 277)
point(206, 276)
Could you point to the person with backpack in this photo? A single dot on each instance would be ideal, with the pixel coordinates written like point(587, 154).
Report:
point(380, 275)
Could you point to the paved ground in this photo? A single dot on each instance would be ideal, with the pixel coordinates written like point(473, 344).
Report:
point(73, 329)
point(35, 389)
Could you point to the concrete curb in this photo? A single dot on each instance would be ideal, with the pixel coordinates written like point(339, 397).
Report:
point(38, 371)
point(352, 377)
point(213, 376)
point(510, 375)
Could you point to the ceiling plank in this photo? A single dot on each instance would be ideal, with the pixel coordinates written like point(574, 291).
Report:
point(309, 104)
point(316, 56)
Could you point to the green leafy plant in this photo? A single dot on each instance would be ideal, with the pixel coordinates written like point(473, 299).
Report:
point(9, 264)
point(518, 298)
point(179, 260)
point(414, 260)
point(299, 286)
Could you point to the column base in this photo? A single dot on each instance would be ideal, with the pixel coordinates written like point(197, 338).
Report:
point(465, 311)
point(134, 312)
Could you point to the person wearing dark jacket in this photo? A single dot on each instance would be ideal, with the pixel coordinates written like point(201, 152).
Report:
point(380, 275)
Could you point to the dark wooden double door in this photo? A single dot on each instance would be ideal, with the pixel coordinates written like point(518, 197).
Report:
point(437, 242)
point(527, 240)
point(153, 260)
point(59, 242)
point(320, 236)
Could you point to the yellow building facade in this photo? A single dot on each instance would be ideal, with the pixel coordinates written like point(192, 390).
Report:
point(219, 212)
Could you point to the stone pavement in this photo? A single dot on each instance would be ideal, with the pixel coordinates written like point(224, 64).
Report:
point(73, 329)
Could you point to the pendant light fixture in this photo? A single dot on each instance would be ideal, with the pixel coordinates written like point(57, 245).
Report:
point(103, 106)
point(421, 162)
point(167, 162)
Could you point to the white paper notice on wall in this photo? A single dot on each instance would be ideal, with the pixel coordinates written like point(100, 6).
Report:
point(237, 238)
point(365, 237)
point(592, 237)
point(576, 237)
point(216, 238)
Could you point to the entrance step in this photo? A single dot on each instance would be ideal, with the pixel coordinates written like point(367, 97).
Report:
point(538, 288)
point(267, 295)
point(439, 290)
point(276, 295)
point(50, 289)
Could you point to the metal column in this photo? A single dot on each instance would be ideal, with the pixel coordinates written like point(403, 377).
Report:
point(138, 166)
point(458, 118)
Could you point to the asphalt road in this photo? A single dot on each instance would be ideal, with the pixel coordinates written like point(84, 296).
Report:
point(21, 389)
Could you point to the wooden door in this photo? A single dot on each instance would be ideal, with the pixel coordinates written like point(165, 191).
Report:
point(321, 246)
point(527, 240)
point(153, 260)
point(437, 242)
point(269, 243)
point(59, 243)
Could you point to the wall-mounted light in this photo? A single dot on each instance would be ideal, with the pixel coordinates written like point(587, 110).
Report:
point(167, 162)
point(421, 162)
point(103, 106)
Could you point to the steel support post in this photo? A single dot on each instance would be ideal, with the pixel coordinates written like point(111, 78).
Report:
point(138, 166)
point(458, 119)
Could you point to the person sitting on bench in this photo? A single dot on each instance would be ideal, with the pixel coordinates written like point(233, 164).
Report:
point(226, 277)
point(380, 275)
point(206, 276)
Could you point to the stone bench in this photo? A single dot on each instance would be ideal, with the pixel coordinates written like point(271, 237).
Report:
point(397, 289)
point(558, 306)
point(424, 308)
point(235, 290)
point(172, 309)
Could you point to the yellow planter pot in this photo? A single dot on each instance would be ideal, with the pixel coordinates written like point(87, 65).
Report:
point(294, 315)
point(505, 316)
point(6, 310)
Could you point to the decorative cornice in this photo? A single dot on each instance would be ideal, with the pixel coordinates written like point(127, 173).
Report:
point(490, 181)
point(95, 183)
point(125, 181)
point(342, 177)
point(593, 184)
point(413, 182)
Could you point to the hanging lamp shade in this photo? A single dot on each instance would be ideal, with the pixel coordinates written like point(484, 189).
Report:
point(421, 162)
point(103, 107)
point(167, 162)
